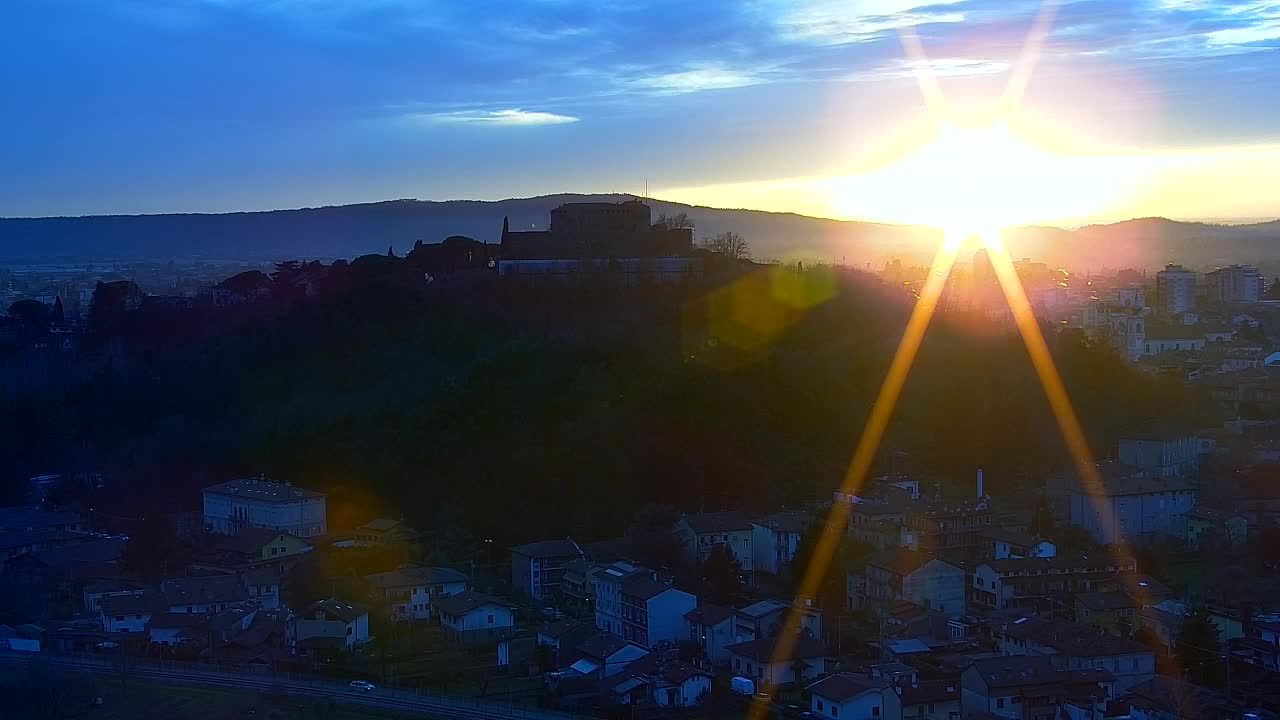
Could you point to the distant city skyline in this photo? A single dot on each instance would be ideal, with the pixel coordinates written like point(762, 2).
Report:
point(1159, 107)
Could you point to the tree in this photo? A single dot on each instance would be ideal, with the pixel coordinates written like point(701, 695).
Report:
point(29, 312)
point(721, 575)
point(152, 552)
point(58, 314)
point(730, 244)
point(1199, 651)
point(848, 556)
point(679, 221)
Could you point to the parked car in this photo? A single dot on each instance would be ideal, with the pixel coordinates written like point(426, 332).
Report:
point(362, 686)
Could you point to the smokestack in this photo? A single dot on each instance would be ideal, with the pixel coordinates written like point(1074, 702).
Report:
point(979, 483)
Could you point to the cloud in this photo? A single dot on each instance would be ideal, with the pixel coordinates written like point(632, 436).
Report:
point(507, 117)
point(695, 80)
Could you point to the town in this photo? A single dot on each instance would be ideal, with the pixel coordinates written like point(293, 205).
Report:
point(967, 594)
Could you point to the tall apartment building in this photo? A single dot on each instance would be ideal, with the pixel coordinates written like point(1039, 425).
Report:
point(1235, 284)
point(1175, 290)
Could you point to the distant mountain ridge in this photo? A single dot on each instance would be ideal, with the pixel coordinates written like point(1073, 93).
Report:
point(351, 230)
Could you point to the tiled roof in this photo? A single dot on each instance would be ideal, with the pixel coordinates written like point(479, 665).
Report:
point(709, 614)
point(143, 601)
point(344, 611)
point(899, 561)
point(602, 645)
point(718, 522)
point(202, 590)
point(549, 549)
point(1073, 639)
point(762, 649)
point(410, 576)
point(933, 691)
point(845, 686)
point(1106, 600)
point(788, 521)
point(465, 602)
point(643, 587)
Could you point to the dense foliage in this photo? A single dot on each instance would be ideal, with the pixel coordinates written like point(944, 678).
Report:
point(514, 413)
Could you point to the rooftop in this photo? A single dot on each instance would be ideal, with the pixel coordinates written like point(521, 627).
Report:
point(202, 590)
point(899, 561)
point(465, 602)
point(549, 549)
point(788, 521)
point(759, 649)
point(380, 525)
point(709, 615)
point(602, 645)
point(762, 608)
point(138, 603)
point(718, 522)
point(643, 587)
point(845, 686)
point(24, 517)
point(1073, 639)
point(344, 611)
point(934, 691)
point(414, 575)
point(262, 489)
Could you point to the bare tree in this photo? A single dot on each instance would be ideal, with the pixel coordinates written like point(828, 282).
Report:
point(730, 244)
point(679, 221)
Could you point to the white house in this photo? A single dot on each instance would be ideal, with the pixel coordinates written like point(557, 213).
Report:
point(767, 617)
point(334, 618)
point(131, 612)
point(263, 585)
point(805, 659)
point(607, 585)
point(1134, 509)
point(408, 592)
point(605, 655)
point(169, 628)
point(1002, 543)
point(853, 696)
point(774, 540)
point(901, 574)
point(262, 503)
point(202, 594)
point(653, 611)
point(673, 685)
point(472, 618)
point(711, 628)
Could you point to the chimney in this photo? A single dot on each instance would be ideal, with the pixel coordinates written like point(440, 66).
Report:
point(979, 483)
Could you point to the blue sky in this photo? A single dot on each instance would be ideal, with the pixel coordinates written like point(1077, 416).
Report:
point(209, 105)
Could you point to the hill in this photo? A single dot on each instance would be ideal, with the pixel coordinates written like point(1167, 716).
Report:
point(348, 230)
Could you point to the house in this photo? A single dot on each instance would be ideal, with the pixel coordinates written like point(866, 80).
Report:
point(1162, 338)
point(1000, 543)
point(132, 612)
point(711, 627)
point(931, 700)
point(263, 585)
point(1072, 646)
point(1212, 529)
point(578, 587)
point(778, 660)
point(262, 503)
point(765, 618)
point(605, 655)
point(34, 518)
point(334, 618)
point(170, 628)
point(672, 684)
point(702, 532)
point(1133, 510)
point(901, 574)
point(1114, 612)
point(608, 593)
point(408, 592)
point(1169, 698)
point(1164, 623)
point(475, 618)
point(775, 538)
point(95, 591)
point(380, 532)
point(537, 568)
point(202, 594)
point(1026, 687)
point(1034, 583)
point(653, 611)
point(949, 525)
point(853, 696)
point(562, 637)
point(19, 542)
point(254, 545)
point(1259, 647)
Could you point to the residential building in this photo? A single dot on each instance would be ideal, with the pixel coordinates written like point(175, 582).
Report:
point(712, 628)
point(672, 684)
point(950, 524)
point(408, 592)
point(203, 594)
point(262, 503)
point(563, 636)
point(1137, 510)
point(1162, 338)
point(931, 700)
point(1039, 583)
point(703, 532)
point(1175, 290)
point(95, 591)
point(1162, 453)
point(854, 696)
point(774, 540)
point(1000, 543)
point(334, 618)
point(1072, 646)
point(768, 617)
point(537, 568)
point(605, 655)
point(131, 612)
point(1260, 646)
point(1212, 529)
point(1112, 611)
point(1028, 688)
point(474, 618)
point(35, 518)
point(1234, 284)
point(255, 546)
point(653, 611)
point(263, 585)
point(578, 586)
point(1063, 485)
point(1163, 622)
point(769, 663)
point(1164, 697)
point(608, 593)
point(173, 629)
point(380, 532)
point(901, 574)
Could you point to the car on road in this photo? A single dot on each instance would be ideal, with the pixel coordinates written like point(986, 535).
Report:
point(362, 686)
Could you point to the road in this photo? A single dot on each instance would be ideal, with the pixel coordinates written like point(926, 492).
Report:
point(431, 705)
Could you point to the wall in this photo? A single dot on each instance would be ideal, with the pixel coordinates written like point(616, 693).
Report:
point(1125, 518)
point(304, 517)
point(861, 707)
point(938, 586)
point(126, 623)
point(666, 615)
point(476, 625)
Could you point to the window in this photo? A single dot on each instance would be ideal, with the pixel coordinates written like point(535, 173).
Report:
point(875, 711)
point(820, 708)
point(490, 619)
point(119, 618)
point(835, 710)
point(1016, 699)
point(137, 617)
point(348, 629)
point(999, 702)
point(273, 551)
point(737, 663)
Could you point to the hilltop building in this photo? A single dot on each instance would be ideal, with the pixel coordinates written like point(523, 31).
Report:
point(262, 503)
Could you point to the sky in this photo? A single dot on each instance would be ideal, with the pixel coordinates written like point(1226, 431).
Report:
point(1153, 107)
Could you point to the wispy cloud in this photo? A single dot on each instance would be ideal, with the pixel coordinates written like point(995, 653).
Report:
point(695, 80)
point(508, 117)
